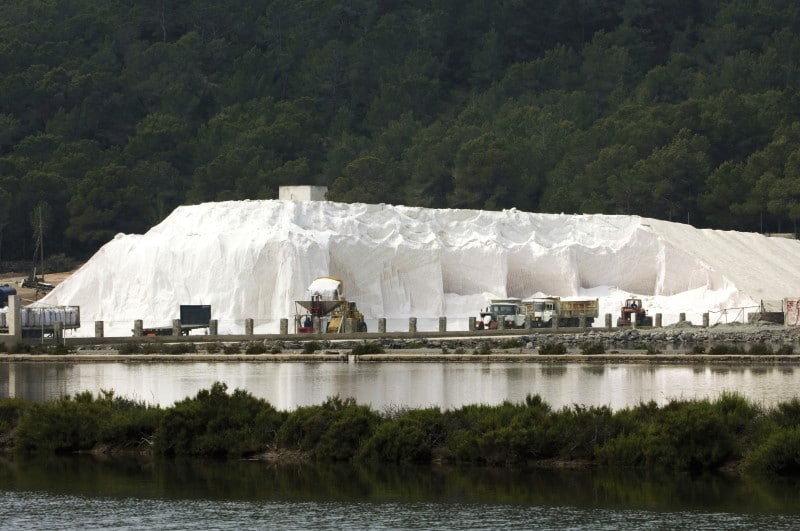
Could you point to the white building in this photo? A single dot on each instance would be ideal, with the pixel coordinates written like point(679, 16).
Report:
point(302, 193)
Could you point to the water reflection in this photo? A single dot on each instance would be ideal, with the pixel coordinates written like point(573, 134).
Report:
point(388, 385)
point(256, 480)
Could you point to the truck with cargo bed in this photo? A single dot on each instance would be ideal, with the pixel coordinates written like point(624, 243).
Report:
point(541, 312)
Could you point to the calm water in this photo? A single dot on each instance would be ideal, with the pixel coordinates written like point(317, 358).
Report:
point(69, 493)
point(83, 493)
point(382, 385)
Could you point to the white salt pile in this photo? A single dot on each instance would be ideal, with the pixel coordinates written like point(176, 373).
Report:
point(253, 259)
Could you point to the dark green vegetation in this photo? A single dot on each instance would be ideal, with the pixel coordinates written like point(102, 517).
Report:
point(114, 113)
point(681, 436)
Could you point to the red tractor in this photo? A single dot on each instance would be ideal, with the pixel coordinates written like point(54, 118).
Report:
point(633, 310)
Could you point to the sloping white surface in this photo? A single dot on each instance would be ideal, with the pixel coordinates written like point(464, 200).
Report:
point(253, 259)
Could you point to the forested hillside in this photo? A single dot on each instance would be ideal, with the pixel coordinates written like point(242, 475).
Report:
point(115, 112)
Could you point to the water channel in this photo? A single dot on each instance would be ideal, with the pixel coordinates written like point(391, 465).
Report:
point(381, 385)
point(87, 493)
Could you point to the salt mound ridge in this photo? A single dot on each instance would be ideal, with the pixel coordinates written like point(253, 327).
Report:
point(253, 259)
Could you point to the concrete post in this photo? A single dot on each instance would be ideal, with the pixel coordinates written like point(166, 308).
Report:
point(442, 324)
point(501, 322)
point(284, 326)
point(705, 320)
point(657, 322)
point(555, 322)
point(582, 322)
point(382, 325)
point(528, 322)
point(681, 317)
point(213, 326)
point(608, 320)
point(248, 326)
point(472, 324)
point(98, 329)
point(58, 332)
point(317, 325)
point(412, 325)
point(137, 328)
point(14, 319)
point(349, 325)
point(176, 327)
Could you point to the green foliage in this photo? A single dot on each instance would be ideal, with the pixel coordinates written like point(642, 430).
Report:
point(760, 349)
point(635, 108)
point(129, 347)
point(310, 347)
point(778, 455)
point(215, 423)
point(409, 438)
point(684, 436)
point(593, 347)
point(483, 349)
point(698, 349)
point(367, 347)
point(11, 411)
point(256, 348)
point(232, 348)
point(70, 425)
point(213, 348)
point(552, 348)
point(511, 343)
point(724, 348)
point(180, 348)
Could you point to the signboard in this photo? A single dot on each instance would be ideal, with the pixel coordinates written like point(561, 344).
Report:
point(791, 311)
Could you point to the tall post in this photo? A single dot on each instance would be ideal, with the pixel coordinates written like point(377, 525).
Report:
point(98, 329)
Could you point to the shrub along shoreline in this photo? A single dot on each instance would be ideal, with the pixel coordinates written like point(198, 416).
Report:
point(726, 434)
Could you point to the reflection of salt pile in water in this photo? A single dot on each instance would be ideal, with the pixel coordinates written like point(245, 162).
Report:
point(253, 259)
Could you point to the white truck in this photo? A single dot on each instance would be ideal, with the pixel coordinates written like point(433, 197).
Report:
point(542, 312)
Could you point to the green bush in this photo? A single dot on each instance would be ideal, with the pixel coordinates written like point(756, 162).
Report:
point(213, 348)
point(785, 350)
point(552, 348)
point(275, 349)
point(778, 455)
point(82, 423)
point(232, 348)
point(217, 424)
point(408, 438)
point(342, 440)
point(698, 349)
point(724, 348)
point(483, 349)
point(11, 411)
point(511, 343)
point(129, 348)
point(180, 348)
point(152, 348)
point(760, 349)
point(256, 348)
point(310, 347)
point(459, 350)
point(368, 347)
point(593, 347)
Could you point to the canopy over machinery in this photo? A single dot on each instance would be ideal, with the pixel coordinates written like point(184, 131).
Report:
point(325, 301)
